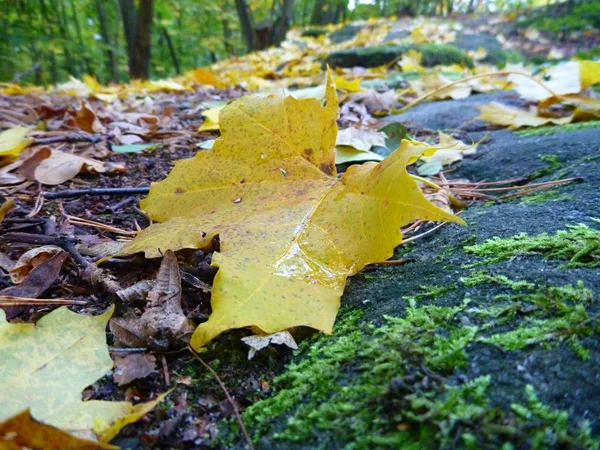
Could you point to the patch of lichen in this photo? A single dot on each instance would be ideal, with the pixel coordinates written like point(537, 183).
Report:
point(390, 387)
point(549, 130)
point(579, 245)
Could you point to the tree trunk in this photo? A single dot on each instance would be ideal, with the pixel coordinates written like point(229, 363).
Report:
point(317, 14)
point(283, 22)
point(89, 69)
point(142, 49)
point(227, 37)
point(111, 59)
point(171, 48)
point(69, 66)
point(247, 24)
point(128, 13)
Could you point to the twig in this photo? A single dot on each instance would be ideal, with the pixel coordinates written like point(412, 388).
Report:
point(165, 370)
point(481, 75)
point(9, 300)
point(127, 350)
point(70, 193)
point(75, 137)
point(91, 223)
point(229, 398)
point(418, 236)
point(390, 262)
point(65, 242)
point(547, 184)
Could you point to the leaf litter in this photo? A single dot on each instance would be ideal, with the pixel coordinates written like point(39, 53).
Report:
point(99, 130)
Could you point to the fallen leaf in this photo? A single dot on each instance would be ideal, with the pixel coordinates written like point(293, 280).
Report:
point(508, 116)
point(206, 145)
point(133, 148)
point(347, 85)
point(378, 104)
point(53, 167)
point(163, 322)
point(589, 73)
point(211, 122)
point(133, 367)
point(86, 119)
point(345, 154)
point(22, 432)
point(39, 279)
point(202, 75)
point(30, 260)
point(13, 141)
point(47, 365)
point(6, 207)
point(290, 231)
point(362, 140)
point(259, 341)
point(562, 79)
point(433, 81)
point(411, 61)
point(450, 150)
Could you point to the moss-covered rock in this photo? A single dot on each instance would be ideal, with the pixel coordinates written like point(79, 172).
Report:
point(495, 53)
point(345, 33)
point(314, 32)
point(433, 55)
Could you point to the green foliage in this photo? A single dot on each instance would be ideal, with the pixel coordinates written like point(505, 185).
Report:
point(579, 245)
point(584, 16)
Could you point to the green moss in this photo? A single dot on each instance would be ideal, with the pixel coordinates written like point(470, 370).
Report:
point(547, 131)
point(546, 314)
point(431, 292)
point(554, 164)
point(388, 387)
point(374, 56)
point(550, 195)
point(482, 277)
point(579, 245)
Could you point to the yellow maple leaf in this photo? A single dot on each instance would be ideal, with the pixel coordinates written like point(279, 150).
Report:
point(46, 366)
point(589, 73)
point(13, 141)
point(212, 119)
point(508, 116)
point(347, 85)
point(290, 231)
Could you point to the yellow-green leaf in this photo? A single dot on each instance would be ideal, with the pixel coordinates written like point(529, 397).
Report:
point(290, 231)
point(46, 366)
point(589, 73)
point(13, 140)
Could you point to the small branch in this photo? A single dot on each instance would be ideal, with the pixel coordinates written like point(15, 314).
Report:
point(9, 300)
point(481, 75)
point(418, 236)
point(75, 137)
point(127, 350)
point(95, 191)
point(389, 262)
point(229, 398)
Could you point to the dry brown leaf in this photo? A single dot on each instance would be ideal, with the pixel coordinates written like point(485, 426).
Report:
point(38, 280)
point(30, 260)
point(378, 103)
point(53, 167)
point(132, 367)
point(163, 322)
point(86, 119)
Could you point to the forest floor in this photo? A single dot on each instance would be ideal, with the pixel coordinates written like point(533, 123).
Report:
point(482, 336)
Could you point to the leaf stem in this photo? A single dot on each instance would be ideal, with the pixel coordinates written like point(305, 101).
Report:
point(481, 75)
